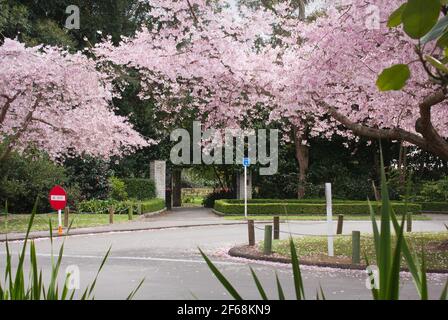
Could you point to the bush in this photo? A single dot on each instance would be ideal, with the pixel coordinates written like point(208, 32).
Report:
point(434, 206)
point(152, 205)
point(102, 206)
point(434, 191)
point(117, 189)
point(209, 200)
point(304, 207)
point(25, 178)
point(140, 189)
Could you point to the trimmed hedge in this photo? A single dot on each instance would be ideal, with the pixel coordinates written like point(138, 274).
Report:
point(140, 189)
point(102, 206)
point(434, 206)
point(301, 207)
point(152, 205)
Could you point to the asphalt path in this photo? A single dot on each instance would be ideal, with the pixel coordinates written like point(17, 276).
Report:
point(170, 262)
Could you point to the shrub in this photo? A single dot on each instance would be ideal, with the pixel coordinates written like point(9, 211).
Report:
point(209, 200)
point(102, 206)
point(434, 206)
point(300, 207)
point(25, 178)
point(434, 191)
point(117, 189)
point(152, 205)
point(140, 189)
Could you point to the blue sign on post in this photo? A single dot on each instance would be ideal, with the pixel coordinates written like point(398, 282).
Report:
point(246, 162)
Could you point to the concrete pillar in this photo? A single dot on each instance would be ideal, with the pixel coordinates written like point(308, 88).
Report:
point(240, 185)
point(177, 188)
point(157, 171)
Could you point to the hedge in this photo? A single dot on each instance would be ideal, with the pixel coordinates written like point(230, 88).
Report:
point(434, 206)
point(102, 206)
point(284, 207)
point(140, 189)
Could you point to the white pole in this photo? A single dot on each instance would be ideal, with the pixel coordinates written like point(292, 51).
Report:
point(245, 192)
point(60, 222)
point(329, 219)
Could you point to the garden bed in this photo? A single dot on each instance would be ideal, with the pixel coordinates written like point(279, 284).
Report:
point(313, 251)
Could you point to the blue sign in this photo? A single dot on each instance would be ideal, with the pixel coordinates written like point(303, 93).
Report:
point(246, 162)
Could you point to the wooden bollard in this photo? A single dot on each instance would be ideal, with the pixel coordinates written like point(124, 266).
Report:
point(251, 232)
point(409, 222)
point(66, 216)
point(111, 215)
point(276, 228)
point(130, 212)
point(267, 240)
point(340, 224)
point(356, 247)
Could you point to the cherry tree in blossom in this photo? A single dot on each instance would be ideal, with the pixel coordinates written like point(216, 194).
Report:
point(332, 74)
point(58, 102)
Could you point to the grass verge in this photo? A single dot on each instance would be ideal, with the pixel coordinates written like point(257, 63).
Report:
point(19, 222)
point(434, 246)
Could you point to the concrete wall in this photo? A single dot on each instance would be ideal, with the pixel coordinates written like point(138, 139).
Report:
point(157, 172)
point(240, 185)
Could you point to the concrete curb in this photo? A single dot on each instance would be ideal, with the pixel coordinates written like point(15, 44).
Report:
point(89, 231)
point(239, 252)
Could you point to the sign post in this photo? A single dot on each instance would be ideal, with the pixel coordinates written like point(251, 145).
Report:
point(246, 164)
point(329, 219)
point(58, 201)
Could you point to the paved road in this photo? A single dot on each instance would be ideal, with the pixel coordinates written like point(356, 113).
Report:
point(173, 268)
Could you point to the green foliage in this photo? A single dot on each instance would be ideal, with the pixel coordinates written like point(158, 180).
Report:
point(25, 178)
point(117, 189)
point(140, 189)
point(102, 206)
point(420, 20)
point(434, 191)
point(420, 16)
point(210, 199)
point(394, 78)
point(305, 207)
point(150, 206)
point(434, 206)
point(90, 175)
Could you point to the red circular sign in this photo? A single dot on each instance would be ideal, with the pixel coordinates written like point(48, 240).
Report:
point(58, 198)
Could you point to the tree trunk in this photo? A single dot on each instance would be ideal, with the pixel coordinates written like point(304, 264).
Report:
point(302, 155)
point(402, 164)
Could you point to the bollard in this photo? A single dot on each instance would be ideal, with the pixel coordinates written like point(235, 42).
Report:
point(409, 222)
point(276, 228)
point(251, 232)
point(66, 214)
point(111, 215)
point(130, 212)
point(356, 247)
point(267, 240)
point(340, 224)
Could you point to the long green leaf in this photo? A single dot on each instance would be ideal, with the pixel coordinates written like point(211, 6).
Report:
point(258, 284)
point(298, 282)
point(221, 278)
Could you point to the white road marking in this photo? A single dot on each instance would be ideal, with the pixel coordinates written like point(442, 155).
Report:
point(137, 258)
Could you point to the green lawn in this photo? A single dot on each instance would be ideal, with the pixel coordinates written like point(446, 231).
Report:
point(316, 217)
point(434, 245)
point(19, 222)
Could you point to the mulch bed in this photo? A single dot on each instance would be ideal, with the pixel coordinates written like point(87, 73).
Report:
point(252, 253)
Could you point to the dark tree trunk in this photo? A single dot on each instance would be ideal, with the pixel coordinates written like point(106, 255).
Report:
point(302, 155)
